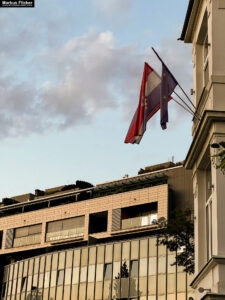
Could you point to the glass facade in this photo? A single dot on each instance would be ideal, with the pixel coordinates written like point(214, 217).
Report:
point(134, 269)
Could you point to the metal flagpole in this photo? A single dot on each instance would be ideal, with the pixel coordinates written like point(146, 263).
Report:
point(194, 114)
point(173, 77)
point(190, 112)
point(187, 108)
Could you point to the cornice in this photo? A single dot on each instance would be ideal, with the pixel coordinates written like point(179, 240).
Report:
point(209, 116)
point(189, 22)
point(215, 260)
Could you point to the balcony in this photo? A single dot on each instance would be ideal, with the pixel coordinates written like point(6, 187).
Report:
point(27, 240)
point(138, 221)
point(64, 234)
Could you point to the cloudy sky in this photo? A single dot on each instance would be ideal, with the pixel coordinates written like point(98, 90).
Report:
point(70, 74)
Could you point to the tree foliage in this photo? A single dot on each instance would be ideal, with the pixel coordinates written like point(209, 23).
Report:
point(219, 157)
point(177, 234)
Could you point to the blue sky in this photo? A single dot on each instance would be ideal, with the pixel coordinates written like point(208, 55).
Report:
point(69, 85)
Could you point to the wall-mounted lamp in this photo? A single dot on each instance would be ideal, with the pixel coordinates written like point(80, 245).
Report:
point(201, 290)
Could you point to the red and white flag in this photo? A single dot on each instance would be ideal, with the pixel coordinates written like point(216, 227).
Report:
point(149, 104)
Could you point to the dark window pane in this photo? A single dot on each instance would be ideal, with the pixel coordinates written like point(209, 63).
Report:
point(134, 268)
point(23, 284)
point(108, 272)
point(60, 277)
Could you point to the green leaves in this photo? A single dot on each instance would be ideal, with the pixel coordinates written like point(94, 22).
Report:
point(177, 234)
point(219, 157)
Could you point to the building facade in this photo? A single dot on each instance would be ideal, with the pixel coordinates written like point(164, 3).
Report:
point(204, 28)
point(95, 242)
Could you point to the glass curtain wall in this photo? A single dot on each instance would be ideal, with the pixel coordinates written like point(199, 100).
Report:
point(135, 269)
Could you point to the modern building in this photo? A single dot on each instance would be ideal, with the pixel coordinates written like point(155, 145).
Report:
point(95, 242)
point(204, 27)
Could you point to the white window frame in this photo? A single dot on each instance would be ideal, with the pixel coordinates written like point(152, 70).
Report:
point(209, 227)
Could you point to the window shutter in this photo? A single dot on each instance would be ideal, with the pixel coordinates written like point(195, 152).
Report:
point(9, 238)
point(116, 219)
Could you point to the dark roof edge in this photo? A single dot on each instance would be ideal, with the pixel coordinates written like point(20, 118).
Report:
point(186, 21)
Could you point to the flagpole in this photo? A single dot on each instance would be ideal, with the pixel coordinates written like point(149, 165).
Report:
point(187, 106)
point(173, 77)
point(194, 114)
point(183, 107)
point(190, 112)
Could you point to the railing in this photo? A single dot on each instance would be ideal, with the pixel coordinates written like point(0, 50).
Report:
point(138, 221)
point(27, 240)
point(64, 234)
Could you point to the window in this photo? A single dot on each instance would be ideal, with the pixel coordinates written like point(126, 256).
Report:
point(60, 277)
point(139, 215)
point(208, 194)
point(28, 235)
point(23, 284)
point(205, 61)
point(63, 229)
point(134, 268)
point(108, 272)
point(209, 227)
point(98, 222)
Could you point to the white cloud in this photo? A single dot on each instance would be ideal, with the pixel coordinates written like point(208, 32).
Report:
point(110, 7)
point(70, 84)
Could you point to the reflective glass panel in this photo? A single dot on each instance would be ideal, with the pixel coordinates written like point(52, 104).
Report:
point(69, 259)
point(100, 254)
point(134, 250)
point(59, 293)
point(36, 265)
point(92, 255)
point(143, 267)
point(15, 273)
point(62, 256)
point(117, 252)
point(108, 253)
point(68, 274)
point(134, 268)
point(42, 264)
point(60, 278)
point(108, 272)
point(48, 262)
point(143, 248)
point(83, 274)
point(31, 266)
point(66, 294)
point(91, 273)
point(76, 258)
point(54, 261)
point(53, 278)
point(75, 275)
point(152, 247)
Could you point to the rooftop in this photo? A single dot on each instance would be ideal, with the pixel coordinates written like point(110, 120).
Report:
point(81, 190)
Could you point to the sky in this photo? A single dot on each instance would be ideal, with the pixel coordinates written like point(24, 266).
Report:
point(70, 75)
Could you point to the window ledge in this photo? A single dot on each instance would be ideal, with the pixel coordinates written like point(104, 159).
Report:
point(62, 241)
point(135, 229)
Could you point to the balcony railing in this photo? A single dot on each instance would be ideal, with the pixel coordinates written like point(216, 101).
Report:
point(138, 221)
point(64, 234)
point(27, 240)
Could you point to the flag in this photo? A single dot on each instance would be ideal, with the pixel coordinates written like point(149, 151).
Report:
point(168, 85)
point(149, 104)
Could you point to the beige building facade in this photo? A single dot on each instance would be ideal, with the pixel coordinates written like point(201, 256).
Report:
point(95, 242)
point(204, 27)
